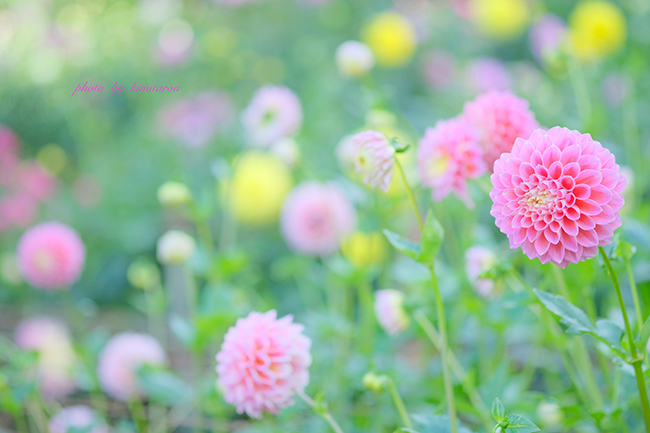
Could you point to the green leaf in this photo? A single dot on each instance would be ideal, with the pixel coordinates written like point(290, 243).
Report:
point(498, 411)
point(183, 330)
point(404, 246)
point(432, 237)
point(435, 424)
point(398, 145)
point(572, 316)
point(624, 250)
point(320, 405)
point(520, 424)
point(611, 333)
point(405, 430)
point(161, 385)
point(644, 336)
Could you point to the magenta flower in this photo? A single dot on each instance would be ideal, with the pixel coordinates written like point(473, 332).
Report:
point(9, 152)
point(77, 418)
point(500, 118)
point(51, 256)
point(374, 158)
point(557, 196)
point(274, 113)
point(120, 360)
point(389, 308)
point(263, 362)
point(316, 217)
point(448, 155)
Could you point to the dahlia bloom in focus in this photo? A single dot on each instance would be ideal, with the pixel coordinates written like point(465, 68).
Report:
point(373, 157)
point(596, 29)
point(316, 217)
point(354, 58)
point(79, 418)
point(391, 38)
point(389, 308)
point(479, 259)
point(274, 113)
point(448, 155)
point(175, 247)
point(500, 118)
point(51, 256)
point(120, 359)
point(557, 196)
point(263, 362)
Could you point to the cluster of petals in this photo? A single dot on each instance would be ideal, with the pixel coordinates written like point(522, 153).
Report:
point(274, 113)
point(77, 418)
point(557, 195)
point(316, 217)
point(373, 157)
point(448, 155)
point(263, 362)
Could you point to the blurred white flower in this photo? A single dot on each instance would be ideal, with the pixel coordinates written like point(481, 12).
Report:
point(354, 58)
point(175, 247)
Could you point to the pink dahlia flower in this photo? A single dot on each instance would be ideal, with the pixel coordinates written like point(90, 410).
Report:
point(79, 418)
point(448, 155)
point(557, 196)
point(263, 362)
point(9, 151)
point(17, 209)
point(36, 181)
point(316, 217)
point(274, 113)
point(120, 360)
point(51, 256)
point(479, 259)
point(389, 308)
point(373, 157)
point(500, 118)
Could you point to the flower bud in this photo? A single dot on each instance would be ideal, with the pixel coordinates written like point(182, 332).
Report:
point(389, 307)
point(354, 59)
point(143, 274)
point(175, 247)
point(550, 414)
point(373, 383)
point(173, 194)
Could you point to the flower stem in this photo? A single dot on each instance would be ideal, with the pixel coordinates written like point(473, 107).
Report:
point(580, 90)
point(409, 193)
point(399, 403)
point(367, 334)
point(635, 296)
point(636, 360)
point(139, 415)
point(325, 414)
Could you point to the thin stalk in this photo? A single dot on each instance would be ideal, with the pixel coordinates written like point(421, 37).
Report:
point(21, 424)
point(367, 313)
point(399, 403)
point(580, 90)
point(325, 414)
point(635, 296)
point(636, 360)
point(139, 415)
point(409, 193)
point(197, 357)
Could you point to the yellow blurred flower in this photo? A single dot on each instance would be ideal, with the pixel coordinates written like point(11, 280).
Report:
point(364, 249)
point(391, 38)
point(52, 157)
point(258, 187)
point(502, 19)
point(596, 29)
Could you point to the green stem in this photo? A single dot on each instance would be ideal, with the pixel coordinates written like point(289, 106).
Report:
point(399, 403)
point(21, 424)
point(325, 414)
point(580, 90)
point(636, 362)
point(139, 415)
point(367, 334)
point(409, 193)
point(635, 296)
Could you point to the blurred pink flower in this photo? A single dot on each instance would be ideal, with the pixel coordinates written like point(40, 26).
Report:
point(557, 196)
point(479, 259)
point(56, 359)
point(500, 118)
point(51, 256)
point(389, 308)
point(374, 158)
point(17, 209)
point(120, 359)
point(80, 418)
point(36, 181)
point(316, 217)
point(449, 155)
point(263, 362)
point(9, 148)
point(546, 36)
point(486, 73)
point(274, 113)
point(234, 2)
point(439, 69)
point(614, 89)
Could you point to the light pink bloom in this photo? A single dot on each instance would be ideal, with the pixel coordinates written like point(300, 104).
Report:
point(546, 36)
point(51, 256)
point(486, 73)
point(36, 181)
point(448, 155)
point(195, 121)
point(274, 113)
point(557, 196)
point(263, 362)
point(500, 118)
point(17, 209)
point(120, 359)
point(80, 418)
point(56, 359)
point(389, 308)
point(374, 158)
point(316, 217)
point(9, 149)
point(479, 259)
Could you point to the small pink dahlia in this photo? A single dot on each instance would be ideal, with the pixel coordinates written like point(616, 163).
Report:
point(51, 256)
point(448, 155)
point(120, 360)
point(389, 308)
point(373, 157)
point(77, 418)
point(263, 362)
point(274, 113)
point(557, 196)
point(500, 118)
point(316, 217)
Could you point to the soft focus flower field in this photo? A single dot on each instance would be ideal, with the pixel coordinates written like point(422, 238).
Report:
point(417, 216)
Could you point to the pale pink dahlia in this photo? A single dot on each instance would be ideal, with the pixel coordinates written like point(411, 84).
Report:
point(389, 308)
point(51, 256)
point(448, 155)
point(479, 259)
point(274, 113)
point(77, 418)
point(374, 158)
point(557, 196)
point(316, 217)
point(500, 118)
point(263, 362)
point(120, 360)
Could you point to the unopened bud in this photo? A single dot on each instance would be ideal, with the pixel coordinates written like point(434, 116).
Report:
point(373, 383)
point(175, 247)
point(173, 194)
point(143, 274)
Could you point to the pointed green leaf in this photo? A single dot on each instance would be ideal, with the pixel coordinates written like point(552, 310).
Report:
point(404, 246)
point(432, 237)
point(644, 336)
point(498, 411)
point(183, 330)
point(624, 250)
point(611, 333)
point(572, 316)
point(520, 424)
point(162, 385)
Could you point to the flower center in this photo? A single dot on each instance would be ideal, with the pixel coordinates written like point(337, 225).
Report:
point(439, 165)
point(43, 261)
point(537, 199)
